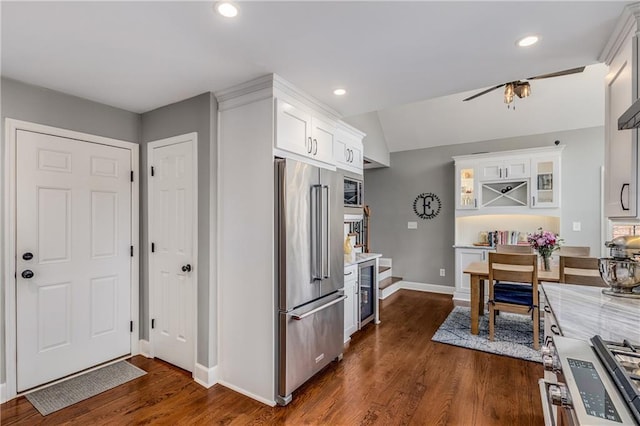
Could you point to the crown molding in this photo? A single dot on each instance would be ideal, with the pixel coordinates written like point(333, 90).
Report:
point(265, 87)
point(627, 23)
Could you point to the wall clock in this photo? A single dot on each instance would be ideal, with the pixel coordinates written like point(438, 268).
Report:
point(427, 205)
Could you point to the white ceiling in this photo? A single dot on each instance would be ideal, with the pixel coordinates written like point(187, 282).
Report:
point(142, 55)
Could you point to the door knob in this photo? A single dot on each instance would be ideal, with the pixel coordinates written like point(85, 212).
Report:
point(27, 273)
point(186, 268)
point(27, 256)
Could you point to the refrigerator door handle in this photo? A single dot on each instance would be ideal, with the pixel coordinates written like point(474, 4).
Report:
point(326, 255)
point(316, 233)
point(318, 309)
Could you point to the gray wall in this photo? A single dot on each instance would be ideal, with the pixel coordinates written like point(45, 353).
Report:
point(197, 114)
point(418, 254)
point(43, 106)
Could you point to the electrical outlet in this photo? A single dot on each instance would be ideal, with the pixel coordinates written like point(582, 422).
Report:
point(412, 225)
point(442, 272)
point(577, 226)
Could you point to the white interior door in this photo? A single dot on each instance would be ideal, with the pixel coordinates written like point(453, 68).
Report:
point(172, 283)
point(73, 238)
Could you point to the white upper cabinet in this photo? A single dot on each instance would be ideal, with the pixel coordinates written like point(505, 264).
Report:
point(545, 183)
point(621, 146)
point(348, 148)
point(514, 168)
point(302, 133)
point(508, 181)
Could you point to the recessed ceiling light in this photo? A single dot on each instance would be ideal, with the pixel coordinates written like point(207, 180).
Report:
point(339, 92)
point(528, 41)
point(226, 9)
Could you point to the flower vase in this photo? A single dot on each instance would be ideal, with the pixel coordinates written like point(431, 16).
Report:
point(545, 264)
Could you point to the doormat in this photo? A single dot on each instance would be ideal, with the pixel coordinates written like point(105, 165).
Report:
point(64, 394)
point(513, 334)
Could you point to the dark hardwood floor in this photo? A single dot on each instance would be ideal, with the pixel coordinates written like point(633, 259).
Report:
point(391, 374)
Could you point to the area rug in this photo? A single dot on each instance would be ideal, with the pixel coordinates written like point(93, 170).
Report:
point(64, 394)
point(513, 334)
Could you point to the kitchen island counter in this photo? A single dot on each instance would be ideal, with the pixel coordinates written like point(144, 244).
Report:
point(582, 312)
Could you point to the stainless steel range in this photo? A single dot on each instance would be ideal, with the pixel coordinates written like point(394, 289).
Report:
point(590, 383)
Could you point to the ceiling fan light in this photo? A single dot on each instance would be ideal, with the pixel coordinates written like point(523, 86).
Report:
point(522, 89)
point(508, 93)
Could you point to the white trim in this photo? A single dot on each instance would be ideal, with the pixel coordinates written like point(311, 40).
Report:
point(11, 128)
point(247, 393)
point(204, 376)
point(193, 138)
point(623, 29)
point(3, 393)
point(409, 285)
point(144, 348)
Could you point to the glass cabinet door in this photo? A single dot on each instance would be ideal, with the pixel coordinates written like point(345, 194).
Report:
point(545, 183)
point(467, 188)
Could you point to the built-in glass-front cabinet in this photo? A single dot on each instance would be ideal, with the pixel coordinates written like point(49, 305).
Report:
point(523, 179)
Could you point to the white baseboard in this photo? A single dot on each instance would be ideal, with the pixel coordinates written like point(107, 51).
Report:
point(3, 393)
point(205, 376)
point(409, 285)
point(266, 401)
point(144, 348)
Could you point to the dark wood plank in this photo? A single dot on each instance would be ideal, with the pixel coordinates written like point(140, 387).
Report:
point(391, 374)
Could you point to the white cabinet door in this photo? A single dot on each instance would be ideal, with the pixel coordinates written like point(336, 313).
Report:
point(351, 302)
point(466, 187)
point(299, 132)
point(464, 257)
point(322, 140)
point(545, 182)
point(348, 152)
point(293, 129)
point(621, 160)
point(516, 168)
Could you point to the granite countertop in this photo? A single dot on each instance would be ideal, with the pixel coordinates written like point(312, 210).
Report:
point(361, 257)
point(583, 311)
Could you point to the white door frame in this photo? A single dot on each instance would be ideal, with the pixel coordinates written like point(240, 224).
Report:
point(9, 274)
point(193, 137)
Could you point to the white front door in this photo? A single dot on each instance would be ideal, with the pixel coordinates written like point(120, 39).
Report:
point(73, 239)
point(172, 270)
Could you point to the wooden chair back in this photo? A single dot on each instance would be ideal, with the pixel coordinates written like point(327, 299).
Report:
point(574, 251)
point(521, 268)
point(580, 270)
point(513, 249)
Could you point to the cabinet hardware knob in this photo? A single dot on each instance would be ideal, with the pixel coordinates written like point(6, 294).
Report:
point(27, 273)
point(27, 256)
point(186, 268)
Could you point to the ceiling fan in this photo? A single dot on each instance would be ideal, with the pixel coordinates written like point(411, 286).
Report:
point(522, 88)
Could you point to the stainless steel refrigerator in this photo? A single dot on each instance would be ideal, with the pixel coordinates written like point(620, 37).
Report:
point(309, 272)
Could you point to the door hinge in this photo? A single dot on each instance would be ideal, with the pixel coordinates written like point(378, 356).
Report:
point(153, 172)
point(131, 326)
point(153, 247)
point(131, 175)
point(131, 251)
point(153, 323)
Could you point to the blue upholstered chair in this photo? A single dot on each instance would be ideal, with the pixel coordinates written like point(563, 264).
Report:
point(513, 287)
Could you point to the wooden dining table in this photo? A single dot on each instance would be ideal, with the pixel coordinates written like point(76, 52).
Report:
point(479, 272)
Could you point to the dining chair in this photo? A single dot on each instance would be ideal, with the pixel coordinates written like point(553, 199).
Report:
point(520, 294)
point(580, 270)
point(513, 249)
point(574, 251)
